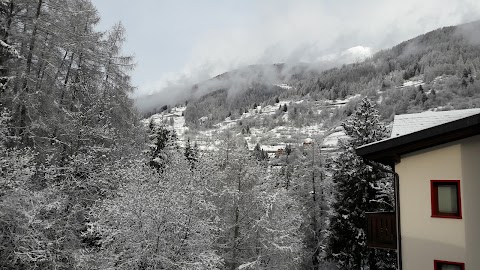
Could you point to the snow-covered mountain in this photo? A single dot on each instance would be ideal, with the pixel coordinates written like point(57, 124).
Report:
point(276, 105)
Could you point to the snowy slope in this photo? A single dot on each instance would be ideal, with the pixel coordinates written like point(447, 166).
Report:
point(270, 139)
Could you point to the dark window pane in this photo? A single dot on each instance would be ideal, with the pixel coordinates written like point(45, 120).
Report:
point(450, 267)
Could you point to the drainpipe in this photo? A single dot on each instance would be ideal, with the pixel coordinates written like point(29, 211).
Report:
point(397, 214)
point(396, 194)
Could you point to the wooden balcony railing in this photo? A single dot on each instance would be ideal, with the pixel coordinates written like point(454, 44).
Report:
point(382, 230)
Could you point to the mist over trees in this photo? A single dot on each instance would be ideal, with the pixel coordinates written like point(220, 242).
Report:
point(446, 61)
point(221, 103)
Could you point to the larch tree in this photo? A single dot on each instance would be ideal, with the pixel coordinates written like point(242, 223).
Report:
point(308, 185)
point(63, 120)
point(259, 220)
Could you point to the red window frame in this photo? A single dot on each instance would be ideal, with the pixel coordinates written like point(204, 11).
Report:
point(436, 264)
point(434, 198)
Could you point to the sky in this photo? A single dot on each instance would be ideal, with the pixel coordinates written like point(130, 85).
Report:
point(187, 41)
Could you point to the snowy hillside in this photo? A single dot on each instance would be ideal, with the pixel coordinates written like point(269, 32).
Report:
point(255, 128)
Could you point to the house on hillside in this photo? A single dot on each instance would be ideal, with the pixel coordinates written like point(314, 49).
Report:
point(273, 151)
point(435, 157)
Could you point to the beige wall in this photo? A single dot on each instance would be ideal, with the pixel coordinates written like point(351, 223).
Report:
point(425, 239)
point(471, 200)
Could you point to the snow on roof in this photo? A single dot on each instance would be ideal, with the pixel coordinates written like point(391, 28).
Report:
point(308, 141)
point(272, 148)
point(409, 123)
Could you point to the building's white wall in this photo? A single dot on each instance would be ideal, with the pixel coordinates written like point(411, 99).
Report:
point(471, 200)
point(425, 239)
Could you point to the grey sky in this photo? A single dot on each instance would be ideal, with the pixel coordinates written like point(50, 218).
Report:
point(180, 41)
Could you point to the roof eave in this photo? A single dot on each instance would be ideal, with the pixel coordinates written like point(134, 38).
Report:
point(388, 151)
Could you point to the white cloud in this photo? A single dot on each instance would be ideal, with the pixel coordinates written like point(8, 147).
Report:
point(356, 54)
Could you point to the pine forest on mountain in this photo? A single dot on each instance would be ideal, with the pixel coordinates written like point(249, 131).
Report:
point(89, 181)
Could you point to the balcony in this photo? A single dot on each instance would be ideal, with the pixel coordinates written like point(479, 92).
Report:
point(382, 230)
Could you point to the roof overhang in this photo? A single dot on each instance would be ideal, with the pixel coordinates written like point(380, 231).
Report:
point(388, 151)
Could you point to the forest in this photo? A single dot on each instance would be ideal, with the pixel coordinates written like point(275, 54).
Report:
point(85, 185)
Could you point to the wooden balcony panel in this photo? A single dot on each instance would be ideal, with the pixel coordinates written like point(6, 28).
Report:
point(382, 230)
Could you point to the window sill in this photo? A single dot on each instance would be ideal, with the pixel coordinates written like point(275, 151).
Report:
point(446, 216)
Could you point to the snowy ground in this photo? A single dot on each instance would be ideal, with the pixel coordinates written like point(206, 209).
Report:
point(341, 102)
point(331, 141)
point(284, 86)
point(410, 83)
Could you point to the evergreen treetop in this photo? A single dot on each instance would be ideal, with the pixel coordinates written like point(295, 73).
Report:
point(359, 188)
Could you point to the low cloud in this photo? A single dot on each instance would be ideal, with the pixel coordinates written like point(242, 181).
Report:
point(310, 31)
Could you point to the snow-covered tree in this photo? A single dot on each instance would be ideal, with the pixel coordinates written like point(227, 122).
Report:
point(157, 220)
point(306, 182)
point(259, 154)
point(191, 153)
point(260, 221)
point(23, 242)
point(359, 188)
point(279, 236)
point(68, 126)
point(160, 141)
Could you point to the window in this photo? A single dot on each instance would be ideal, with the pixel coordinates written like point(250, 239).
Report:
point(443, 265)
point(446, 201)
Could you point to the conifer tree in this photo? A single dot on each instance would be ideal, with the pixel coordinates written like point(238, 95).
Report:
point(160, 138)
point(259, 154)
point(191, 154)
point(359, 188)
